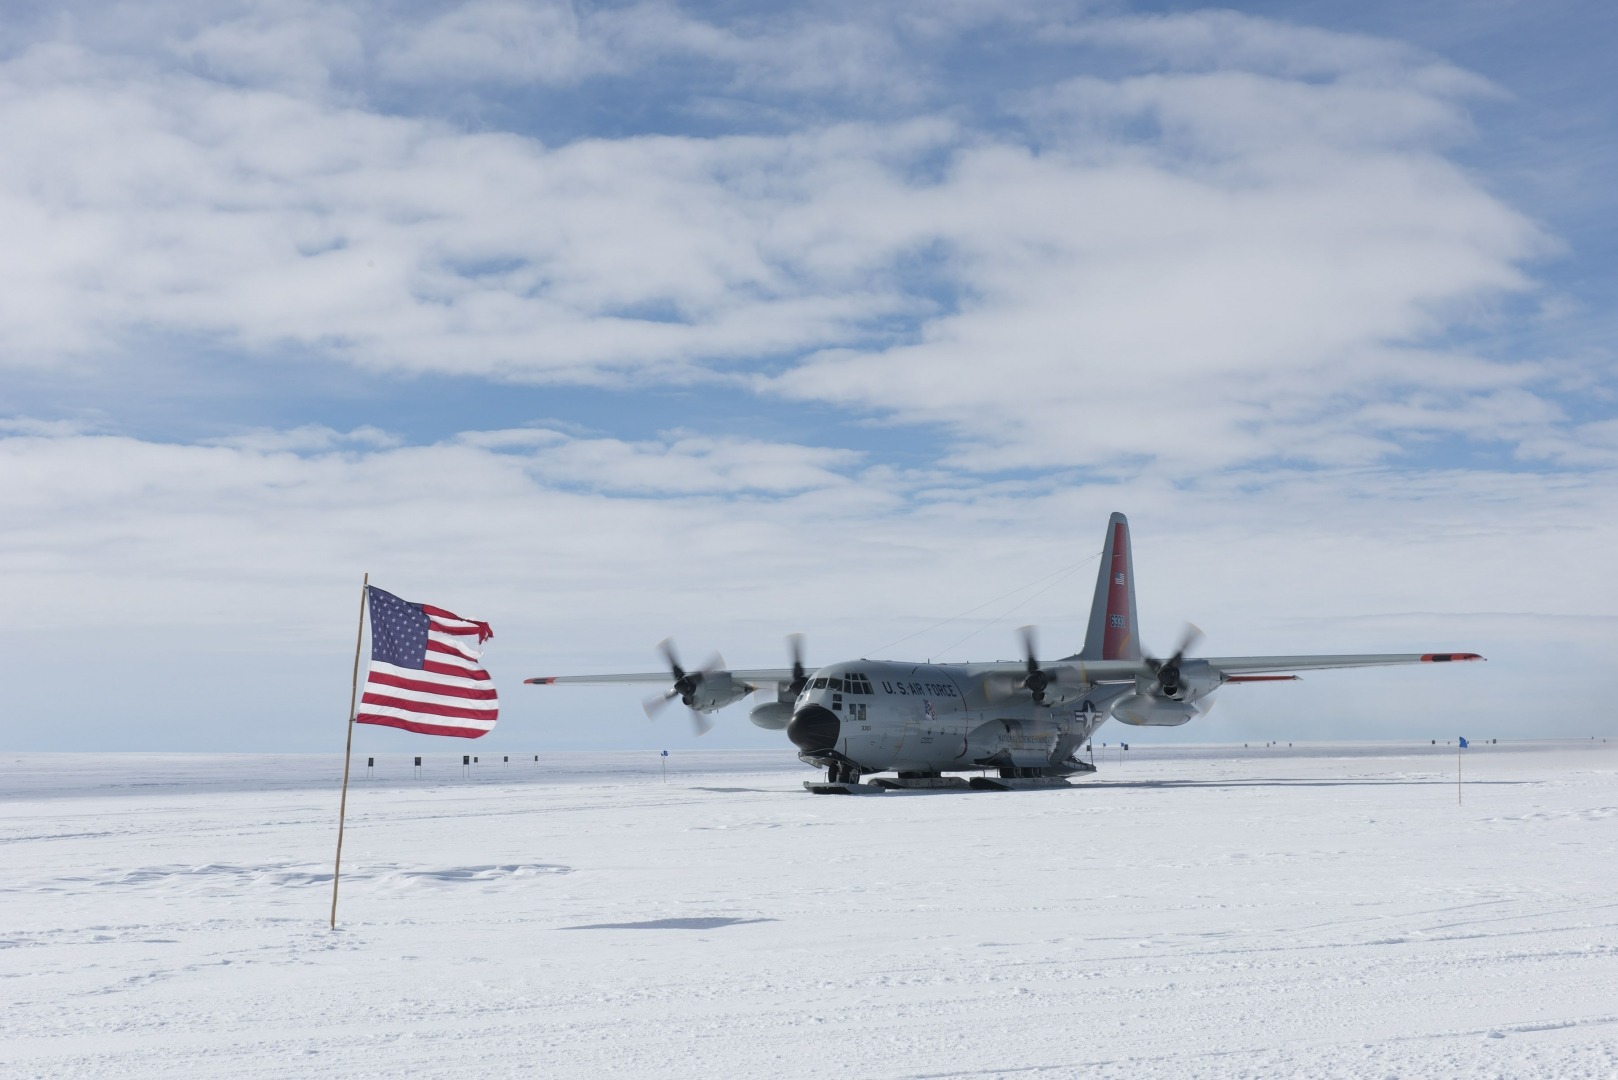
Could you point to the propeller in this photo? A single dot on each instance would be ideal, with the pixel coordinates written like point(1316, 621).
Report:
point(1037, 680)
point(997, 686)
point(800, 677)
point(1000, 685)
point(684, 688)
point(1168, 671)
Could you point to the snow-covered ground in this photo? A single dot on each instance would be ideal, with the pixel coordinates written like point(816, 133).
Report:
point(1189, 912)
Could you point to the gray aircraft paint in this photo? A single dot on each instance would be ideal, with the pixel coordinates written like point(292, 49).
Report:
point(940, 718)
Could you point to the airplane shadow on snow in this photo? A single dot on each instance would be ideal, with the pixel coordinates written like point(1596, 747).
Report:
point(668, 924)
point(1283, 781)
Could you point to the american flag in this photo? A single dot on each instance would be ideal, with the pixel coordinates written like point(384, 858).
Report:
point(424, 674)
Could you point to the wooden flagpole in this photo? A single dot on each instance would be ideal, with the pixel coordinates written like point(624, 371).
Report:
point(348, 751)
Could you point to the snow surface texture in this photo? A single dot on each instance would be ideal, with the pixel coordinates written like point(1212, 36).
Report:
point(1190, 912)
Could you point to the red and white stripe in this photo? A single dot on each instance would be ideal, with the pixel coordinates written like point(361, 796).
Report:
point(451, 695)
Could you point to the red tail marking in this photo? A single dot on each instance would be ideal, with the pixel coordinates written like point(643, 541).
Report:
point(1116, 641)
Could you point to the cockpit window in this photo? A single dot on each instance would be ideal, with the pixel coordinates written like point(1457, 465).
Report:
point(820, 683)
point(856, 683)
point(836, 684)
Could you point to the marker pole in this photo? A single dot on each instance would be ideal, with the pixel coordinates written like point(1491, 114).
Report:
point(348, 751)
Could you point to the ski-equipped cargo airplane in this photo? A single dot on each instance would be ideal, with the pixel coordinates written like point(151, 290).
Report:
point(1024, 723)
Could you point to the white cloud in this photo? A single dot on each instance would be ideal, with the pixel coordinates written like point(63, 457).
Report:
point(291, 45)
point(1252, 269)
point(1223, 39)
point(308, 438)
point(1589, 445)
point(1223, 255)
point(495, 41)
point(1252, 247)
point(262, 219)
point(559, 44)
point(687, 464)
point(252, 548)
point(591, 520)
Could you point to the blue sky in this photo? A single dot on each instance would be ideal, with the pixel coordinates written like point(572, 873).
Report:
point(614, 321)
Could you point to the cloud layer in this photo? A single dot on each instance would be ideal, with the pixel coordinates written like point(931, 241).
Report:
point(242, 558)
point(978, 274)
point(1243, 250)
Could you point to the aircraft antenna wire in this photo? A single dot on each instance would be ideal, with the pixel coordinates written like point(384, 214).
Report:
point(1060, 575)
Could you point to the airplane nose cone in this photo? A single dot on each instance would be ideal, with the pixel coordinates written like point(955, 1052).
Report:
point(814, 727)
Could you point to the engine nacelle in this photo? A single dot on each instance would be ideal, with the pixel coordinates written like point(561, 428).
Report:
point(1141, 710)
point(772, 715)
point(1066, 686)
point(716, 690)
point(1197, 681)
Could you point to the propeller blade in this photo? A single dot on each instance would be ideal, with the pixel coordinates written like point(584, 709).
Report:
point(658, 702)
point(1036, 680)
point(1189, 637)
point(1030, 647)
point(1168, 671)
point(666, 647)
point(685, 685)
point(800, 678)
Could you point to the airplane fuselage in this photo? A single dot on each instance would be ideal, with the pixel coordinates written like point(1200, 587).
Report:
point(1026, 720)
point(932, 718)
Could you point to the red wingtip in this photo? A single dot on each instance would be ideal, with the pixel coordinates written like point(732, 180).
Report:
point(1447, 657)
point(543, 680)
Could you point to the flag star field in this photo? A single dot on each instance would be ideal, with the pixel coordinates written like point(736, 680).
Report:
point(398, 630)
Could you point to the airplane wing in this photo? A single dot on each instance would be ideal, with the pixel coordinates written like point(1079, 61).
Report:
point(1246, 668)
point(1234, 667)
point(751, 675)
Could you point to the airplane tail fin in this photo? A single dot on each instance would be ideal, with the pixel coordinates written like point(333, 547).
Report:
point(1113, 633)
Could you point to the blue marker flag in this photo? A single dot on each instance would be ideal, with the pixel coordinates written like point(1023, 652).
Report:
point(665, 753)
point(1463, 743)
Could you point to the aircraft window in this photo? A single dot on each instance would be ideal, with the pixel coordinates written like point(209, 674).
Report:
point(837, 684)
point(820, 683)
